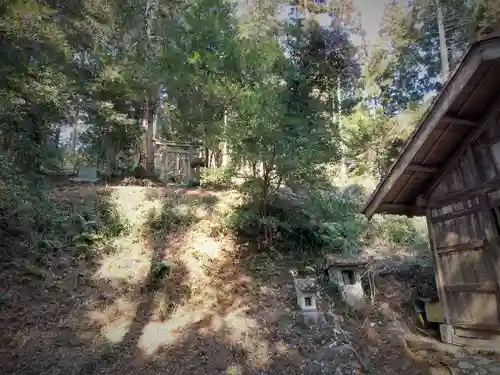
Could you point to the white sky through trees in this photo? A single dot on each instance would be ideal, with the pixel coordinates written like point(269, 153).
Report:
point(372, 12)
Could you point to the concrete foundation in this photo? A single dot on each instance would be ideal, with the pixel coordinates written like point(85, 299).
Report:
point(447, 333)
point(312, 318)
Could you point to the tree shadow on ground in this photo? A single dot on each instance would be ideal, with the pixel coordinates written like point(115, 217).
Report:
point(167, 279)
point(222, 332)
point(365, 341)
point(384, 352)
point(230, 312)
point(172, 278)
point(55, 314)
point(46, 283)
point(229, 323)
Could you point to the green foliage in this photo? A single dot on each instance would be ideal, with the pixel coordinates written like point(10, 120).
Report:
point(272, 91)
point(111, 222)
point(340, 228)
point(57, 68)
point(175, 213)
point(406, 63)
point(327, 221)
point(35, 219)
point(324, 222)
point(217, 177)
point(281, 120)
point(400, 231)
point(485, 15)
point(373, 140)
point(160, 270)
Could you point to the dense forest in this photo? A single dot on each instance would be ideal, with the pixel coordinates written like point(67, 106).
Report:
point(263, 77)
point(295, 90)
point(293, 112)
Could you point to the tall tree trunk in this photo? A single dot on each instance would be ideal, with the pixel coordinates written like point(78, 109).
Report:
point(150, 166)
point(210, 158)
point(343, 167)
point(57, 137)
point(143, 158)
point(206, 156)
point(223, 144)
point(445, 63)
point(75, 130)
point(265, 189)
point(150, 99)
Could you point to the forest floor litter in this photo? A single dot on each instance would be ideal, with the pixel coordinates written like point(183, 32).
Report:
point(219, 309)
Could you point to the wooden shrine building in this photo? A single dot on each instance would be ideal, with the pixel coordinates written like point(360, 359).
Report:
point(449, 171)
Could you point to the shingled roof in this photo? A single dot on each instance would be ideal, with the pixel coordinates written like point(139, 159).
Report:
point(455, 117)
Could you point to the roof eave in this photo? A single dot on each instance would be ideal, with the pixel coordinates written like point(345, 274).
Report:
point(486, 49)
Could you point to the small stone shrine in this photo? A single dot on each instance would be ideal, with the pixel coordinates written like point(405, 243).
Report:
point(86, 174)
point(306, 288)
point(306, 293)
point(345, 273)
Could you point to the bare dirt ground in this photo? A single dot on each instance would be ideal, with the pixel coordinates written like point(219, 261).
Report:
point(221, 310)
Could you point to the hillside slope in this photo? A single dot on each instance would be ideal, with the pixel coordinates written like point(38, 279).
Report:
point(172, 297)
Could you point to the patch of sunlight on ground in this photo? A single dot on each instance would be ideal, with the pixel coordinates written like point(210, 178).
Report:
point(191, 257)
point(194, 267)
point(130, 263)
point(184, 208)
point(246, 332)
point(134, 202)
point(195, 249)
point(161, 305)
point(239, 329)
point(115, 320)
point(115, 332)
point(281, 347)
point(157, 335)
point(131, 260)
point(202, 257)
point(201, 213)
point(234, 370)
point(203, 301)
point(206, 246)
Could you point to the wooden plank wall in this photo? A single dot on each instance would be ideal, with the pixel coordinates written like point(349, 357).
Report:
point(463, 212)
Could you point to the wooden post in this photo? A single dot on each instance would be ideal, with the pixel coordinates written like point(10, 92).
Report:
point(150, 152)
point(188, 166)
point(166, 164)
point(492, 249)
point(177, 164)
point(437, 264)
point(223, 144)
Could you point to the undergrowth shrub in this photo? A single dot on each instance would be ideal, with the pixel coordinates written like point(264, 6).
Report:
point(160, 269)
point(398, 231)
point(218, 177)
point(110, 222)
point(325, 221)
point(175, 212)
point(35, 219)
point(99, 222)
point(322, 222)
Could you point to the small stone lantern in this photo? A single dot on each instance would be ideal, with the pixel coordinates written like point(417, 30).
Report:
point(306, 288)
point(345, 273)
